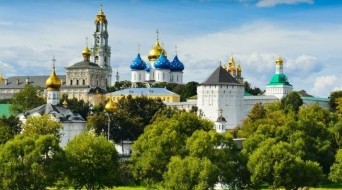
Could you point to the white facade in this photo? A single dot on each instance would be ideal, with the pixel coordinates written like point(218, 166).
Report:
point(70, 130)
point(162, 75)
point(278, 91)
point(176, 77)
point(138, 76)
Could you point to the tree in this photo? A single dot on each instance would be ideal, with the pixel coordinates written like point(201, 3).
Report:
point(253, 91)
point(129, 120)
point(276, 164)
point(42, 125)
point(78, 106)
point(164, 138)
point(190, 173)
point(30, 162)
point(92, 162)
point(9, 127)
point(190, 89)
point(291, 102)
point(333, 96)
point(336, 169)
point(26, 99)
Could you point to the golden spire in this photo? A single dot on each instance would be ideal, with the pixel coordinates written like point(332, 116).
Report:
point(111, 106)
point(156, 50)
point(100, 17)
point(53, 82)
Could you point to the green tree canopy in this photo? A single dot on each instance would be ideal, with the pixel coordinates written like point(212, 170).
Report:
point(9, 127)
point(190, 173)
point(164, 138)
point(30, 162)
point(276, 164)
point(42, 125)
point(78, 106)
point(26, 99)
point(129, 120)
point(292, 102)
point(336, 169)
point(91, 161)
point(333, 97)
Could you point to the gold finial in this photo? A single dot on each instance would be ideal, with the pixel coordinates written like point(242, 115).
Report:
point(100, 17)
point(86, 52)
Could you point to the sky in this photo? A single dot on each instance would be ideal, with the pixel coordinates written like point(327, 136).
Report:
point(307, 34)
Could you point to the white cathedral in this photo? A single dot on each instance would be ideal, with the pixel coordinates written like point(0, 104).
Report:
point(158, 68)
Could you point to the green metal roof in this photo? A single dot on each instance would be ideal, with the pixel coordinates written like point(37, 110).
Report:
point(279, 79)
point(4, 110)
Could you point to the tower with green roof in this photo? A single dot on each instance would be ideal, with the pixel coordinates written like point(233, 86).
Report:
point(279, 86)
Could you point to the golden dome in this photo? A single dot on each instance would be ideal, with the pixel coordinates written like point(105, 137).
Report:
point(155, 52)
point(111, 106)
point(100, 17)
point(86, 51)
point(53, 82)
point(1, 78)
point(279, 60)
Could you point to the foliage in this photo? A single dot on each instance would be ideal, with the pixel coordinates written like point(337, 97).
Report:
point(42, 125)
point(291, 102)
point(91, 161)
point(26, 99)
point(9, 127)
point(276, 164)
point(336, 169)
point(190, 173)
point(78, 106)
point(307, 138)
point(254, 91)
point(164, 138)
point(30, 162)
point(129, 120)
point(304, 93)
point(333, 97)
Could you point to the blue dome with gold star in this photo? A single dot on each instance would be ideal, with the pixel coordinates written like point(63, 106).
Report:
point(138, 63)
point(176, 65)
point(162, 62)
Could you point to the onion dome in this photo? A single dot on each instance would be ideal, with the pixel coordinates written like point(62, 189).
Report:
point(1, 78)
point(279, 61)
point(86, 54)
point(138, 63)
point(53, 82)
point(111, 106)
point(176, 65)
point(231, 64)
point(156, 52)
point(100, 17)
point(162, 62)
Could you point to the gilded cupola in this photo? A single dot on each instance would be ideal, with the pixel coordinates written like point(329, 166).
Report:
point(156, 50)
point(100, 17)
point(279, 61)
point(53, 82)
point(111, 106)
point(86, 53)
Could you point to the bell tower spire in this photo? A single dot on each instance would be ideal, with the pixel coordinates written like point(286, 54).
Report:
point(101, 50)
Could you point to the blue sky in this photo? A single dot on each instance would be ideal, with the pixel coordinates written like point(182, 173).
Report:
point(306, 33)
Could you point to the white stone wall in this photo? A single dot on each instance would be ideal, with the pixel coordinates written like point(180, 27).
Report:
point(137, 75)
point(162, 75)
point(70, 130)
point(176, 77)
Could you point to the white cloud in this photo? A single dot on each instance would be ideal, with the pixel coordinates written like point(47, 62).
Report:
point(324, 84)
point(272, 3)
